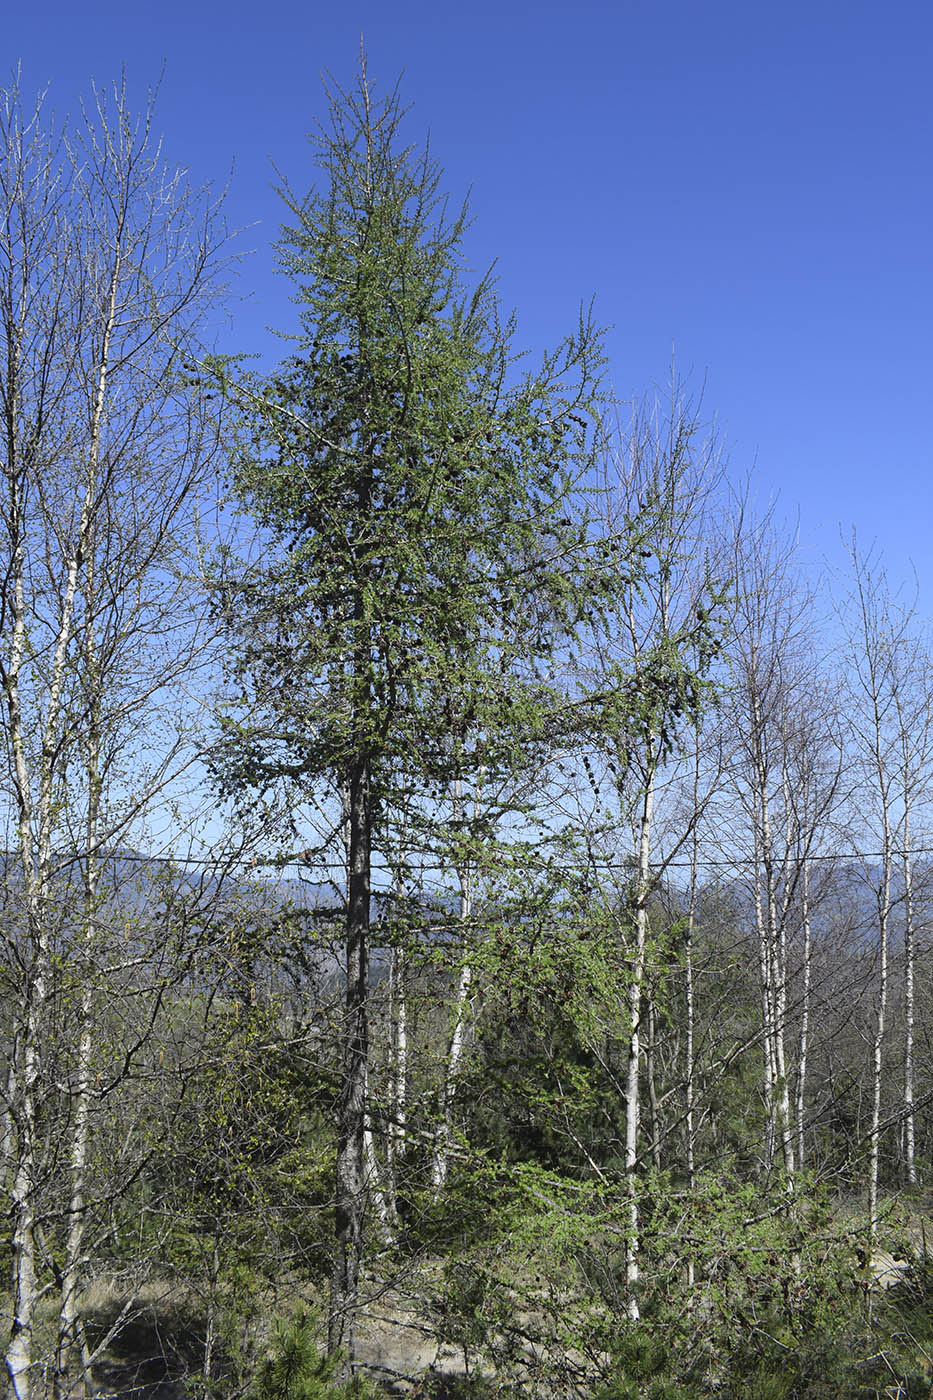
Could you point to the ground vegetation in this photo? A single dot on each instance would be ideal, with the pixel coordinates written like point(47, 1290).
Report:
point(545, 1013)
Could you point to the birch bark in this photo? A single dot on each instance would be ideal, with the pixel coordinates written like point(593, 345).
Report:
point(633, 1064)
point(105, 264)
point(876, 635)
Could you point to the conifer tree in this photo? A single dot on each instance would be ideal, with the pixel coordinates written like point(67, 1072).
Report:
point(421, 557)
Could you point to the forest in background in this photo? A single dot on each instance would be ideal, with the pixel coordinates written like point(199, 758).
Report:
point(464, 877)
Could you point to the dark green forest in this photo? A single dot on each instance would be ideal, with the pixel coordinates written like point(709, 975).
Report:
point(466, 883)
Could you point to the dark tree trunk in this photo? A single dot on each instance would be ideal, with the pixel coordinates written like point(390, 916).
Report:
point(351, 1116)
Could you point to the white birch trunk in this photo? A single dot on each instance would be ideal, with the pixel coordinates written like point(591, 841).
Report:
point(36, 856)
point(70, 1334)
point(25, 1072)
point(632, 1094)
point(653, 1108)
point(884, 908)
point(398, 1126)
point(804, 1042)
point(766, 987)
point(878, 1043)
point(376, 1185)
point(70, 1331)
point(910, 1158)
point(87, 260)
point(443, 1137)
point(690, 1009)
point(35, 834)
point(773, 968)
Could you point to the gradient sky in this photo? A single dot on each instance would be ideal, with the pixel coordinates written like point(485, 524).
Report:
point(746, 186)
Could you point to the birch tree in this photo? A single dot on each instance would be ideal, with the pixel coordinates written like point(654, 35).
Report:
point(913, 702)
point(661, 636)
point(782, 789)
point(888, 730)
point(106, 269)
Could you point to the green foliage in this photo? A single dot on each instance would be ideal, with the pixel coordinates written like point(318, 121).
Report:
point(774, 1306)
point(527, 1289)
point(295, 1368)
point(237, 1197)
point(255, 1141)
point(424, 553)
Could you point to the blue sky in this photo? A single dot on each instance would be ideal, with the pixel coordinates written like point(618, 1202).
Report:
point(744, 185)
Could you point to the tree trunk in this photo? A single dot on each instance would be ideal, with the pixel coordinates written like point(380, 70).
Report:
point(910, 1159)
point(884, 905)
point(632, 1088)
point(654, 1112)
point(19, 1354)
point(766, 988)
point(397, 1136)
point(350, 1186)
point(773, 964)
point(70, 1330)
point(442, 1139)
point(36, 860)
point(457, 1043)
point(804, 1043)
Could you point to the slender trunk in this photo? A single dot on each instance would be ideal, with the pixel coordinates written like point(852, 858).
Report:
point(784, 1120)
point(766, 986)
point(880, 679)
point(350, 1185)
point(803, 1045)
point(777, 946)
point(690, 1028)
point(632, 1095)
point(382, 1178)
point(910, 1160)
point(19, 1355)
point(773, 964)
point(25, 1070)
point(36, 858)
point(442, 1139)
point(7, 1134)
point(690, 1009)
point(884, 910)
point(70, 1331)
point(654, 1112)
point(36, 847)
point(381, 1175)
point(689, 1051)
point(763, 928)
point(398, 1125)
point(461, 1023)
point(884, 905)
point(377, 1184)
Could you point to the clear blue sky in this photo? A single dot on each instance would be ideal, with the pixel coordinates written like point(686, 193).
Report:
point(747, 184)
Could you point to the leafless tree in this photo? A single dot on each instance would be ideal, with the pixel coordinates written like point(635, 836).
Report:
point(888, 709)
point(108, 263)
point(657, 644)
point(784, 783)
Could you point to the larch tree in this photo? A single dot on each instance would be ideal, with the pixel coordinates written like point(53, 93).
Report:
point(411, 482)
